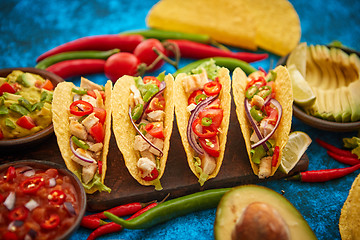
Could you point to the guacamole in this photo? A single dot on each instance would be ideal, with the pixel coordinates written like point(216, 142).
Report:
point(25, 104)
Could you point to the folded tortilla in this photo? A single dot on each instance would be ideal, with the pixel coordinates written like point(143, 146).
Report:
point(182, 117)
point(125, 132)
point(62, 99)
point(285, 98)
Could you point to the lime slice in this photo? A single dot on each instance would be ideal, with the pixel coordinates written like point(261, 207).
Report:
point(298, 58)
point(295, 147)
point(302, 92)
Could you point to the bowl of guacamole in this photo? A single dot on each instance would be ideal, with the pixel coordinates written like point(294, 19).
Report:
point(25, 105)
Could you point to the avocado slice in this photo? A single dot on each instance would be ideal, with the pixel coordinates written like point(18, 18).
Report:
point(238, 206)
point(354, 99)
point(345, 104)
point(26, 79)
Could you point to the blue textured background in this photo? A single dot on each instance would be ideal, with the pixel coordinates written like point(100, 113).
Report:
point(29, 28)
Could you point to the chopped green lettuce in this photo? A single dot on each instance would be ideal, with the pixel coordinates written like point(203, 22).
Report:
point(94, 183)
point(210, 67)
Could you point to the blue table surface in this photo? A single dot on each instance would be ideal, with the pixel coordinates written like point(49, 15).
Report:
point(29, 28)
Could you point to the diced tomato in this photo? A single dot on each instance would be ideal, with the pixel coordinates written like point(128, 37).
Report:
point(92, 93)
point(32, 185)
point(2, 199)
point(10, 174)
point(6, 87)
point(215, 104)
point(100, 113)
point(212, 88)
point(97, 132)
point(52, 222)
point(155, 129)
point(19, 213)
point(193, 96)
point(26, 122)
point(1, 134)
point(47, 85)
point(57, 197)
point(157, 103)
point(151, 80)
point(201, 131)
point(100, 164)
point(211, 145)
point(215, 114)
point(272, 114)
point(153, 175)
point(275, 157)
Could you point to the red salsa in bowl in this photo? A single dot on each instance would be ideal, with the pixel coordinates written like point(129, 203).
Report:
point(39, 200)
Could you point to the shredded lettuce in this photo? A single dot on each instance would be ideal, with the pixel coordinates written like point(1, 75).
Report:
point(203, 176)
point(210, 67)
point(94, 183)
point(354, 144)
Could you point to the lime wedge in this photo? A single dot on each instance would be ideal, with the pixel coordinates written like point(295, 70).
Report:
point(302, 92)
point(295, 147)
point(298, 58)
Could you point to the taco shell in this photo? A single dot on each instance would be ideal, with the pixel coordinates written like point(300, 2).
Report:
point(62, 99)
point(182, 117)
point(285, 98)
point(124, 131)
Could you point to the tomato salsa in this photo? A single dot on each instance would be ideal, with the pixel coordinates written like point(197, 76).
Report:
point(36, 203)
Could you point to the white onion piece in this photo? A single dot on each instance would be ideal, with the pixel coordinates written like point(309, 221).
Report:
point(85, 159)
point(15, 224)
point(29, 173)
point(52, 182)
point(70, 208)
point(279, 109)
point(10, 201)
point(31, 205)
point(76, 97)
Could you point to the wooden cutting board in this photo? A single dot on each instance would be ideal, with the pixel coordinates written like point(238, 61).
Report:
point(178, 180)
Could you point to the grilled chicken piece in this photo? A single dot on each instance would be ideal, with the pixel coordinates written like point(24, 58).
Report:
point(146, 166)
point(140, 144)
point(265, 167)
point(89, 99)
point(159, 143)
point(88, 172)
point(83, 153)
point(90, 121)
point(195, 82)
point(78, 130)
point(156, 116)
point(208, 163)
point(88, 85)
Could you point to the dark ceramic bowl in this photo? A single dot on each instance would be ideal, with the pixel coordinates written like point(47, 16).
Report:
point(10, 144)
point(81, 195)
point(318, 122)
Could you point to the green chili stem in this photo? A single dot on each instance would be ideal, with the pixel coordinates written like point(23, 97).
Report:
point(75, 55)
point(172, 208)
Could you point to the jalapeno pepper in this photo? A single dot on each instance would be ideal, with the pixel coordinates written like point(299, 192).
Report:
point(271, 77)
point(79, 91)
point(86, 109)
point(206, 121)
point(256, 114)
point(264, 91)
point(251, 92)
point(57, 197)
point(207, 132)
point(137, 111)
point(199, 98)
point(19, 213)
point(32, 185)
point(80, 143)
point(50, 223)
point(212, 88)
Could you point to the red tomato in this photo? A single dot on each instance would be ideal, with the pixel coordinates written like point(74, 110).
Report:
point(100, 166)
point(19, 213)
point(275, 157)
point(152, 80)
point(47, 85)
point(100, 113)
point(210, 145)
point(120, 64)
point(92, 93)
point(52, 222)
point(272, 114)
point(258, 81)
point(57, 197)
point(97, 132)
point(155, 129)
point(212, 88)
point(144, 51)
point(26, 122)
point(216, 115)
point(10, 174)
point(215, 104)
point(157, 103)
point(193, 96)
point(6, 87)
point(153, 175)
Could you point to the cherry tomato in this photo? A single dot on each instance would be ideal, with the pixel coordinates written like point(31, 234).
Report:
point(26, 122)
point(275, 157)
point(92, 93)
point(10, 174)
point(6, 87)
point(201, 131)
point(86, 108)
point(50, 223)
point(155, 129)
point(57, 197)
point(212, 88)
point(97, 132)
point(19, 213)
point(272, 114)
point(47, 85)
point(32, 185)
point(152, 80)
point(157, 103)
point(120, 64)
point(193, 95)
point(210, 145)
point(153, 175)
point(144, 51)
point(100, 113)
point(215, 114)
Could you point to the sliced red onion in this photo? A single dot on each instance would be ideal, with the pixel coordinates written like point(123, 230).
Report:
point(30, 235)
point(15, 224)
point(189, 132)
point(279, 109)
point(142, 135)
point(70, 208)
point(10, 201)
point(85, 159)
point(31, 205)
point(52, 182)
point(147, 104)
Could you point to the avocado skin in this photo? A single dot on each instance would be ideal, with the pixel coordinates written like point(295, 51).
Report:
point(237, 199)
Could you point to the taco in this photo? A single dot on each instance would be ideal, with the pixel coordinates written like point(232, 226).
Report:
point(143, 114)
point(202, 112)
point(82, 119)
point(264, 110)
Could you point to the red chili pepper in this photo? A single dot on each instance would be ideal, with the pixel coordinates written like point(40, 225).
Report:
point(212, 88)
point(10, 174)
point(126, 43)
point(100, 164)
point(207, 132)
point(50, 223)
point(334, 149)
point(113, 227)
point(324, 175)
point(57, 197)
point(189, 49)
point(32, 185)
point(344, 159)
point(122, 210)
point(77, 67)
point(19, 213)
point(85, 110)
point(275, 157)
point(92, 222)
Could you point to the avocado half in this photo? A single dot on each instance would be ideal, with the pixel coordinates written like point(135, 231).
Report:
point(251, 211)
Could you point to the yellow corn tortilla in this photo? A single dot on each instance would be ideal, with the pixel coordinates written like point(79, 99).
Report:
point(349, 224)
point(62, 99)
point(182, 117)
point(285, 98)
point(125, 132)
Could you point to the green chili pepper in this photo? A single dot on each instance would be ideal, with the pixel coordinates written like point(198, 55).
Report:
point(199, 98)
point(264, 91)
point(79, 91)
point(257, 115)
point(172, 208)
point(80, 143)
point(141, 127)
point(137, 111)
point(251, 91)
point(229, 63)
point(37, 106)
point(75, 55)
point(46, 96)
point(19, 109)
point(9, 123)
point(25, 103)
point(4, 110)
point(205, 121)
point(271, 77)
